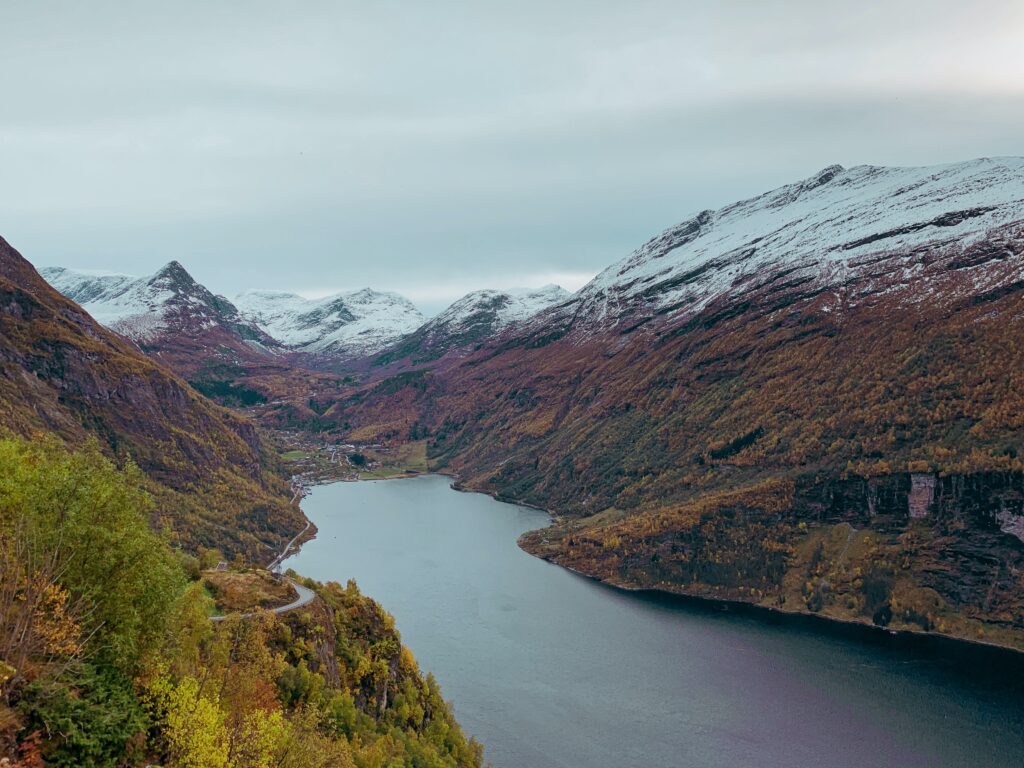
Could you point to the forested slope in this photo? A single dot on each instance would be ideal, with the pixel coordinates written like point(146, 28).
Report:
point(62, 373)
point(108, 656)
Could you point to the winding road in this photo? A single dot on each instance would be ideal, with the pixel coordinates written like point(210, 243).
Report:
point(305, 595)
point(276, 562)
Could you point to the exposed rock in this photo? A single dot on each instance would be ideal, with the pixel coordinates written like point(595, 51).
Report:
point(922, 493)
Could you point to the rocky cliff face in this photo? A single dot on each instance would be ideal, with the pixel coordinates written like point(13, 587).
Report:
point(856, 549)
point(61, 372)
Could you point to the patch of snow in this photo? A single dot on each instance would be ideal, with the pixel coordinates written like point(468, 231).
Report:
point(355, 323)
point(134, 307)
point(1011, 522)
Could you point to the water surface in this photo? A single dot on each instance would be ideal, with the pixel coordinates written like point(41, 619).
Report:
point(549, 669)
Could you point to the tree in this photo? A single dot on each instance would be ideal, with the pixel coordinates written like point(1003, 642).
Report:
point(80, 563)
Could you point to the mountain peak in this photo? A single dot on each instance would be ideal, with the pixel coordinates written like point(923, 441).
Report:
point(175, 273)
point(159, 309)
point(824, 176)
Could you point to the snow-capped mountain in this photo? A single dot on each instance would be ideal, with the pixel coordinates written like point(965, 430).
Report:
point(150, 309)
point(171, 306)
point(822, 228)
point(343, 325)
point(490, 311)
point(473, 319)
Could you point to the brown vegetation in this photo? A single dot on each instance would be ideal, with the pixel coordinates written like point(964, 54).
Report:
point(61, 373)
point(240, 591)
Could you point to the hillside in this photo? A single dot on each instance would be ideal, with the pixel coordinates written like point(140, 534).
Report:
point(110, 657)
point(809, 400)
point(61, 372)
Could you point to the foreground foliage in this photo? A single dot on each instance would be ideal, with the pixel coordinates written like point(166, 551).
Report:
point(108, 656)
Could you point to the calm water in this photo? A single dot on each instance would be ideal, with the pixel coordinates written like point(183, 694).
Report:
point(550, 669)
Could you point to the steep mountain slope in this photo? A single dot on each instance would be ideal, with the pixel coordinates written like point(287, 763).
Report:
point(63, 373)
point(170, 317)
point(342, 326)
point(469, 322)
point(809, 400)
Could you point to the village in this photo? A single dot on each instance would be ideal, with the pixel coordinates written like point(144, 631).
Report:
point(313, 459)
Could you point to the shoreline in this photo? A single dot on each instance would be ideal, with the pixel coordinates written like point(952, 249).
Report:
point(862, 631)
point(833, 625)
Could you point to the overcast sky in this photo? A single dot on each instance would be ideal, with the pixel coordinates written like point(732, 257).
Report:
point(437, 147)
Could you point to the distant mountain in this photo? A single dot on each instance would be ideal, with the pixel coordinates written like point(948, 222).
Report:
point(205, 337)
point(170, 316)
point(469, 322)
point(342, 326)
point(809, 400)
point(61, 372)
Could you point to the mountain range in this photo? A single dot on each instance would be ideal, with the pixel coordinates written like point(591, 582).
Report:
point(469, 323)
point(173, 318)
point(343, 326)
point(808, 400)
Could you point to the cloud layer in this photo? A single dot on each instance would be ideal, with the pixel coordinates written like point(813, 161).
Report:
point(439, 147)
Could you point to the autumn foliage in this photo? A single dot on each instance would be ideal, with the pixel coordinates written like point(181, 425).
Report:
point(108, 656)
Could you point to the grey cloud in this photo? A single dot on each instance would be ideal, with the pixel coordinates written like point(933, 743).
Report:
point(411, 144)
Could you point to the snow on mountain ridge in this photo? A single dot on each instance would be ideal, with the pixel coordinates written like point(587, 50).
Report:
point(471, 321)
point(816, 225)
point(167, 312)
point(354, 322)
point(813, 230)
point(507, 307)
point(134, 307)
point(171, 302)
